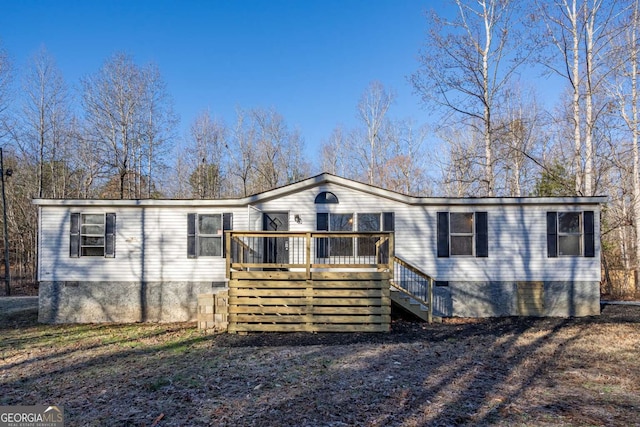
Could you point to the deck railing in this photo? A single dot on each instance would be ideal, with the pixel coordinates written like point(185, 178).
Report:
point(309, 281)
point(308, 251)
point(413, 282)
point(299, 255)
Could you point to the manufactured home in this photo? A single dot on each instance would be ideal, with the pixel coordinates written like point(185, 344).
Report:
point(149, 260)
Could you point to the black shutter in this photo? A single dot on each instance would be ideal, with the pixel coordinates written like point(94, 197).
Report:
point(552, 234)
point(322, 244)
point(322, 222)
point(482, 235)
point(589, 234)
point(443, 234)
point(110, 236)
point(388, 224)
point(227, 224)
point(191, 235)
point(388, 221)
point(74, 236)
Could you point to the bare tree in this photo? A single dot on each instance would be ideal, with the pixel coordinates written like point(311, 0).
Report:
point(46, 121)
point(278, 150)
point(112, 101)
point(460, 161)
point(86, 163)
point(6, 76)
point(581, 32)
point(520, 140)
point(129, 117)
point(241, 149)
point(334, 153)
point(466, 64)
point(206, 156)
point(405, 170)
point(158, 124)
point(372, 110)
point(381, 151)
point(263, 152)
point(624, 88)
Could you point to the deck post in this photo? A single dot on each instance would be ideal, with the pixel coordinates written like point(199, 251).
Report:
point(430, 300)
point(308, 255)
point(227, 244)
point(391, 252)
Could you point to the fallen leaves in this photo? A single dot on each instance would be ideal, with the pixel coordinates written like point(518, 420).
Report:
point(489, 372)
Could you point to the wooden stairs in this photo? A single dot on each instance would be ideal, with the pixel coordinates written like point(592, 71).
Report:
point(409, 304)
point(412, 291)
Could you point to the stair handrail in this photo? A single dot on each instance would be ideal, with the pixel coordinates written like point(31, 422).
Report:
point(430, 282)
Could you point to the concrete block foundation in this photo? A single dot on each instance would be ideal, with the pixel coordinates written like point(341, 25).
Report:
point(497, 299)
point(121, 302)
point(127, 302)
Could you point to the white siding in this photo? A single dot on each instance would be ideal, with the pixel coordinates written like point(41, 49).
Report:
point(517, 236)
point(151, 243)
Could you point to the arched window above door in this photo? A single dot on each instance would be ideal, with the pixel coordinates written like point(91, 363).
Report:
point(326, 197)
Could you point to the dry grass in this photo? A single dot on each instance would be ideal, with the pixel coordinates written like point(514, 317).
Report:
point(498, 372)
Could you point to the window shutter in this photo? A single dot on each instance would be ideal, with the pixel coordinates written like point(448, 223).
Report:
point(589, 234)
point(191, 235)
point(388, 221)
point(552, 234)
point(74, 236)
point(322, 222)
point(322, 244)
point(482, 235)
point(110, 236)
point(388, 224)
point(227, 224)
point(443, 234)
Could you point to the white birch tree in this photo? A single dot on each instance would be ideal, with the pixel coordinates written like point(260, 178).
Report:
point(624, 89)
point(580, 32)
point(466, 64)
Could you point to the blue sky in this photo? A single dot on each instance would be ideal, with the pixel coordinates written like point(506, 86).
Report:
point(310, 60)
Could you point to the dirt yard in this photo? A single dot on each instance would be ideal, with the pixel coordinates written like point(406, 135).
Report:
point(498, 372)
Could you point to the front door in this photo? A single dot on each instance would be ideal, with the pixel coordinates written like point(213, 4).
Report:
point(276, 249)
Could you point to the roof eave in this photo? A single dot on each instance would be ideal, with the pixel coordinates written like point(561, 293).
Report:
point(326, 178)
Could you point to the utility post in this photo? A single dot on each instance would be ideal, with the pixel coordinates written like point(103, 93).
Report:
point(7, 271)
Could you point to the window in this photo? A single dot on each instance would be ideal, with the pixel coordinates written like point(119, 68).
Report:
point(92, 234)
point(368, 222)
point(462, 234)
point(209, 235)
point(344, 246)
point(92, 228)
point(341, 246)
point(326, 197)
point(205, 234)
point(570, 234)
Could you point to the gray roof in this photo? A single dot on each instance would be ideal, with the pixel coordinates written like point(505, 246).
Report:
point(327, 178)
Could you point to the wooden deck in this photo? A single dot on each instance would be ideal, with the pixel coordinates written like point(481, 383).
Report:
point(327, 302)
point(319, 282)
point(311, 282)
